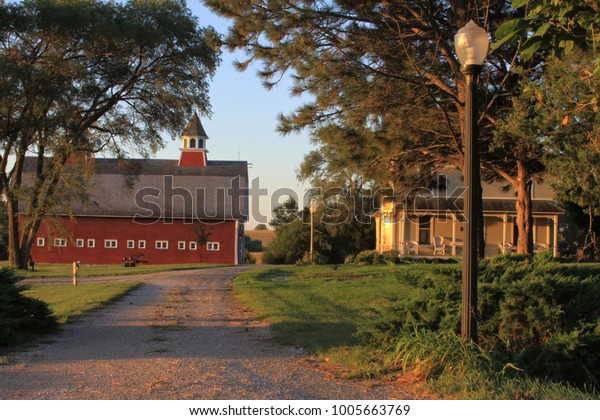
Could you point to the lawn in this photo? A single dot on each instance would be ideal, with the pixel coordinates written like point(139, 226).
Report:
point(319, 308)
point(67, 303)
point(65, 270)
point(353, 319)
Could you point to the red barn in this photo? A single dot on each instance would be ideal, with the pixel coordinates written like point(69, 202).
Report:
point(189, 210)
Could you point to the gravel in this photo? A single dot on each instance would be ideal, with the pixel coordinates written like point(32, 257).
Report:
point(181, 335)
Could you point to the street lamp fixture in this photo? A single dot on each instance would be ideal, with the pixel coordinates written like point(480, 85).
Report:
point(471, 44)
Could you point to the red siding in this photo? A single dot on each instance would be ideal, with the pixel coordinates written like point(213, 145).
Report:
point(124, 229)
point(195, 158)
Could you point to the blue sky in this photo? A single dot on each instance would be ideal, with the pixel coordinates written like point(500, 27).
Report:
point(243, 121)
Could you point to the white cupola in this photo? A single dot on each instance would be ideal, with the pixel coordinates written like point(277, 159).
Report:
point(193, 138)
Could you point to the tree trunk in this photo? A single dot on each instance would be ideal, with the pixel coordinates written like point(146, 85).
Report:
point(524, 209)
point(14, 248)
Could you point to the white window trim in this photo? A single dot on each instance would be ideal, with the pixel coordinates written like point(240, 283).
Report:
point(59, 242)
point(108, 243)
point(91, 243)
point(79, 243)
point(130, 243)
point(213, 246)
point(181, 245)
point(41, 241)
point(193, 246)
point(142, 244)
point(159, 244)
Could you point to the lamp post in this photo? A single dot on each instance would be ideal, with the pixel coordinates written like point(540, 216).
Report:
point(471, 43)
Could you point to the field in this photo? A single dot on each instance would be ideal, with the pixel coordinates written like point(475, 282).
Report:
point(378, 321)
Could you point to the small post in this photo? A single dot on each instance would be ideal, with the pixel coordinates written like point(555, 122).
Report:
point(75, 271)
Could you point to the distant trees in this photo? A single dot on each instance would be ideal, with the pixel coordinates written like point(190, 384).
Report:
point(81, 77)
point(341, 224)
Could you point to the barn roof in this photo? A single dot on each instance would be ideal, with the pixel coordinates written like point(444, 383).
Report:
point(150, 188)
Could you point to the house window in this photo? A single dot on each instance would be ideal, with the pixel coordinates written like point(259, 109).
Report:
point(60, 242)
point(142, 244)
point(181, 245)
point(91, 243)
point(213, 246)
point(193, 246)
point(41, 241)
point(79, 243)
point(424, 229)
point(110, 243)
point(130, 244)
point(161, 244)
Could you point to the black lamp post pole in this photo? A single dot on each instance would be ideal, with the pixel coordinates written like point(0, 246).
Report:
point(471, 206)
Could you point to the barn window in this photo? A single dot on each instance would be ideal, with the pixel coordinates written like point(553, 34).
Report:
point(193, 245)
point(142, 244)
point(161, 244)
point(91, 243)
point(41, 241)
point(79, 243)
point(213, 246)
point(181, 245)
point(110, 243)
point(60, 242)
point(130, 244)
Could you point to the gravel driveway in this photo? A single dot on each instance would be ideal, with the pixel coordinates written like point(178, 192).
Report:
point(181, 335)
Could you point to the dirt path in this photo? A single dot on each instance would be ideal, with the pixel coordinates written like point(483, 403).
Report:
point(181, 335)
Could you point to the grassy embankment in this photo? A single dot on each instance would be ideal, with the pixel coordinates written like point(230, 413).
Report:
point(67, 303)
point(342, 314)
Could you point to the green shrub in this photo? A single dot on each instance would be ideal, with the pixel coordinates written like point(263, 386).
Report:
point(530, 309)
point(432, 305)
point(316, 259)
point(21, 317)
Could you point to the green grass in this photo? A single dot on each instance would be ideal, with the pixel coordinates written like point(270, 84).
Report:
point(67, 303)
point(65, 270)
point(321, 308)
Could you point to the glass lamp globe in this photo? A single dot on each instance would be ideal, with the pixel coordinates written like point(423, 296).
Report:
point(471, 44)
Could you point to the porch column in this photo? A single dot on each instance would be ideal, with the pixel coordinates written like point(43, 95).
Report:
point(548, 237)
point(402, 232)
point(453, 234)
point(555, 232)
point(504, 222)
point(393, 233)
point(378, 233)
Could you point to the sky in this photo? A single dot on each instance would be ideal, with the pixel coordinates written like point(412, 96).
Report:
point(242, 126)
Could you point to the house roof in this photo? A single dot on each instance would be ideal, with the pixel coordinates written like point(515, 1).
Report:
point(150, 188)
point(490, 205)
point(194, 128)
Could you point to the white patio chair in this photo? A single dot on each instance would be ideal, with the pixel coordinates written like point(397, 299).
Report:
point(439, 245)
point(506, 247)
point(412, 246)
